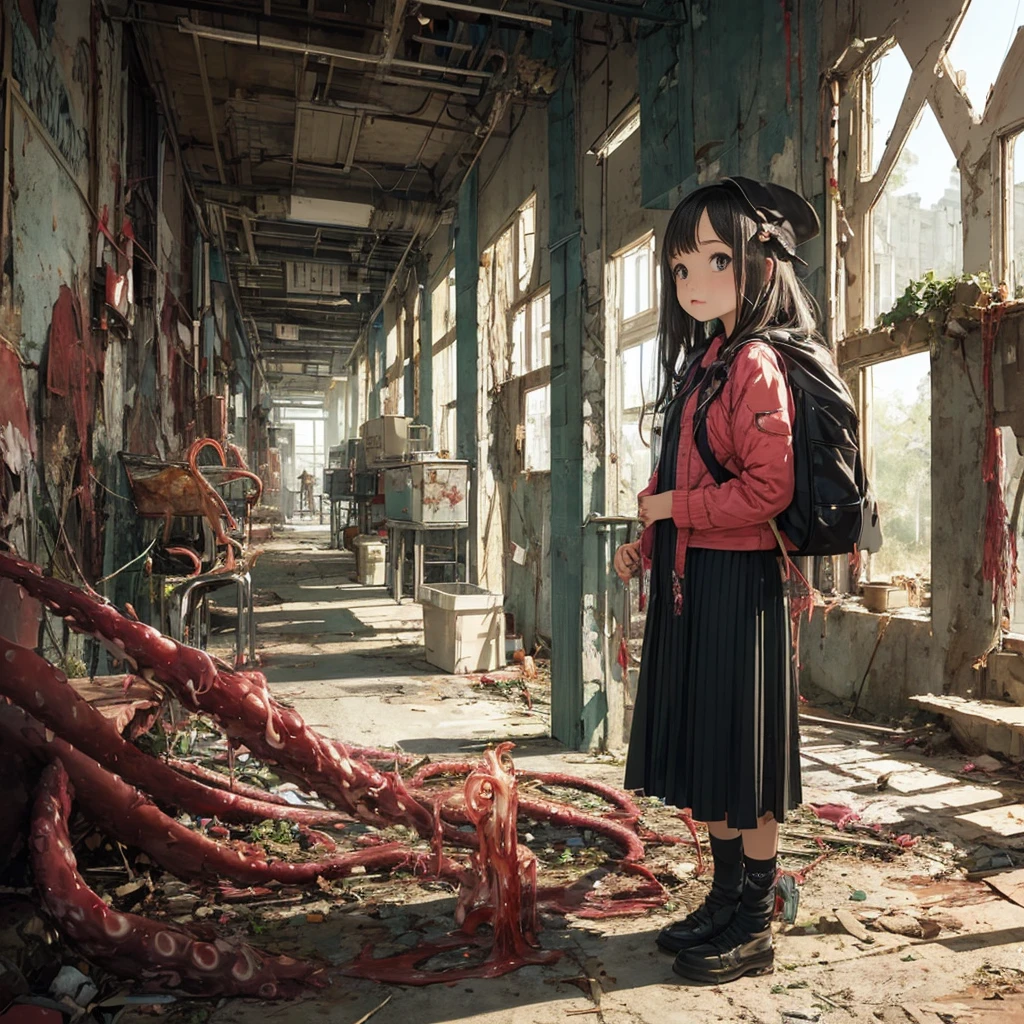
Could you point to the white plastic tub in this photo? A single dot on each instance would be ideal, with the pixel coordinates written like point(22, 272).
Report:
point(371, 560)
point(463, 627)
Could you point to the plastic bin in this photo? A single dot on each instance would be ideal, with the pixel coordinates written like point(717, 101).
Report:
point(463, 627)
point(371, 560)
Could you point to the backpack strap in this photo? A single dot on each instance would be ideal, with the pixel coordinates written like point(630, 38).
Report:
point(717, 374)
point(718, 472)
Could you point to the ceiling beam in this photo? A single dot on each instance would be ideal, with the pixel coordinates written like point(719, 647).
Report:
point(208, 98)
point(310, 49)
point(392, 37)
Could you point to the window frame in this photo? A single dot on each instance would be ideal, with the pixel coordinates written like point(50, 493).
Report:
point(624, 334)
point(443, 354)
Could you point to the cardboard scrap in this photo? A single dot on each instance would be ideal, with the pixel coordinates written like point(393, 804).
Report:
point(1009, 884)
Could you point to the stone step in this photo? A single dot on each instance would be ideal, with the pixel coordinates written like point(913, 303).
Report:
point(993, 725)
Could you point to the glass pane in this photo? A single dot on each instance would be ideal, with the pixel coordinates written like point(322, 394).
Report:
point(636, 280)
point(634, 461)
point(538, 429)
point(639, 374)
point(540, 332)
point(527, 243)
point(439, 311)
point(886, 85)
point(1016, 213)
point(980, 46)
point(916, 221)
point(450, 313)
point(519, 342)
point(901, 454)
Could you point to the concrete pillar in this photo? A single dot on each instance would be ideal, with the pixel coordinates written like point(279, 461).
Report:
point(567, 498)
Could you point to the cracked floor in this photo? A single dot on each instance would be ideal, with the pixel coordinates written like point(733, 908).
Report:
point(351, 661)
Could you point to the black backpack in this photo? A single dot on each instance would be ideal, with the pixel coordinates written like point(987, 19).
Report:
point(833, 510)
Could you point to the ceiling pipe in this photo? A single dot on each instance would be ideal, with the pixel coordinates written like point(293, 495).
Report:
point(491, 12)
point(224, 35)
point(620, 10)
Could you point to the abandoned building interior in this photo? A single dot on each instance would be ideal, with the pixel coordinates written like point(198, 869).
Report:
point(329, 378)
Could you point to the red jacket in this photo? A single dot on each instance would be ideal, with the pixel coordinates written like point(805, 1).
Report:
point(750, 432)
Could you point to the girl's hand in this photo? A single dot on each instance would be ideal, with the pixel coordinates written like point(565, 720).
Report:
point(627, 561)
point(654, 507)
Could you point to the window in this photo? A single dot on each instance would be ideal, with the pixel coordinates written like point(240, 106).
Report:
point(916, 224)
point(633, 370)
point(885, 84)
point(509, 319)
point(538, 430)
point(531, 335)
point(1014, 214)
point(899, 403)
point(526, 242)
point(442, 318)
point(444, 398)
point(539, 352)
point(638, 376)
point(638, 279)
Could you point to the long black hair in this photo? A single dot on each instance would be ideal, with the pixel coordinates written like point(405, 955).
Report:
point(762, 302)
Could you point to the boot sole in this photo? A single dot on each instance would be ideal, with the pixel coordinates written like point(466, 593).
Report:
point(758, 966)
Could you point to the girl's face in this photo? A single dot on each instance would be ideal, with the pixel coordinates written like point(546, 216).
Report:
point(705, 280)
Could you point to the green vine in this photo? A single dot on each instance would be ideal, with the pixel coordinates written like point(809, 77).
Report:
point(931, 293)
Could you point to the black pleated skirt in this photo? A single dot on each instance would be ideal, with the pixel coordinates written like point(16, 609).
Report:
point(715, 719)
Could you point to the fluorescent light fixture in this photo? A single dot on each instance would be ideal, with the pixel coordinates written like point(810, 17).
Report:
point(312, 210)
point(617, 132)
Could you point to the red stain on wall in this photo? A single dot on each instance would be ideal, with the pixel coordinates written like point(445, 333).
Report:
point(74, 369)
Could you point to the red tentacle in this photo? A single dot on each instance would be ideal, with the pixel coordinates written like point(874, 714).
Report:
point(161, 955)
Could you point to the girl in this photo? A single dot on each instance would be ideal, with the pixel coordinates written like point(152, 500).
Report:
point(715, 722)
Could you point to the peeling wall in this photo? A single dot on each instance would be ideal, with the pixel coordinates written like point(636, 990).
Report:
point(96, 304)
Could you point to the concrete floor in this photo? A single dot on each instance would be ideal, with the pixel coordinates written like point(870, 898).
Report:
point(351, 661)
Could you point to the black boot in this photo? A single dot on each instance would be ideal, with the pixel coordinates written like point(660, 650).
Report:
point(713, 916)
point(745, 946)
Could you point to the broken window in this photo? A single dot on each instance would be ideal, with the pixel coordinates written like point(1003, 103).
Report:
point(980, 46)
point(526, 242)
point(916, 224)
point(538, 430)
point(899, 463)
point(885, 84)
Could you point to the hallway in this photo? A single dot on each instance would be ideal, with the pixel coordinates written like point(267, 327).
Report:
point(350, 661)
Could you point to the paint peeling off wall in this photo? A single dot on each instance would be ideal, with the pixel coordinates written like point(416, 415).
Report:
point(51, 62)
